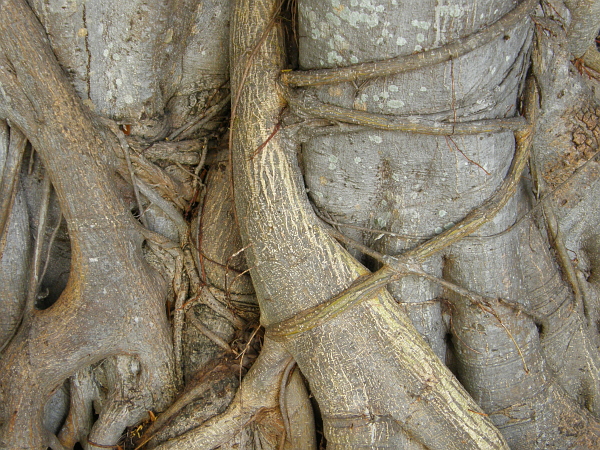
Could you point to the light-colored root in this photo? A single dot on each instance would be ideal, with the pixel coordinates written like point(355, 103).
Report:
point(259, 392)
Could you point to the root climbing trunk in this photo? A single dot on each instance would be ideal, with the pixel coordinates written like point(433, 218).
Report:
point(113, 303)
point(350, 360)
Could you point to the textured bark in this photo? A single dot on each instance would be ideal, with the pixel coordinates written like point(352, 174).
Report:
point(15, 245)
point(583, 27)
point(77, 157)
point(417, 186)
point(522, 341)
point(296, 265)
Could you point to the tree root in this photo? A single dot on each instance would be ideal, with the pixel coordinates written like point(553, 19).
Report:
point(79, 420)
point(109, 278)
point(259, 392)
point(11, 167)
point(413, 61)
point(15, 240)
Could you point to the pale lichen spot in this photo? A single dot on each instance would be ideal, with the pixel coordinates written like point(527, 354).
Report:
point(418, 48)
point(116, 57)
point(395, 104)
point(385, 95)
point(379, 41)
point(128, 99)
point(400, 41)
point(423, 89)
point(333, 19)
point(421, 24)
point(393, 88)
point(442, 213)
point(367, 4)
point(439, 230)
point(355, 17)
point(420, 37)
point(376, 98)
point(449, 225)
point(105, 52)
point(357, 160)
point(364, 97)
point(118, 82)
point(376, 139)
point(450, 10)
point(353, 59)
point(372, 21)
point(395, 177)
point(334, 57)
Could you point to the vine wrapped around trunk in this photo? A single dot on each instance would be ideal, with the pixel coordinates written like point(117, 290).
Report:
point(295, 265)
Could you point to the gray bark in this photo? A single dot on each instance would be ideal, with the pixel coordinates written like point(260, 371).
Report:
point(417, 186)
point(16, 242)
point(583, 27)
point(513, 312)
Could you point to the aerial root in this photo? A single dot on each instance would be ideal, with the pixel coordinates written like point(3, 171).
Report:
point(453, 50)
point(255, 401)
point(8, 180)
point(80, 418)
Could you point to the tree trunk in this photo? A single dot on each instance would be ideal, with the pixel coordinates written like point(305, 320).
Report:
point(434, 300)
